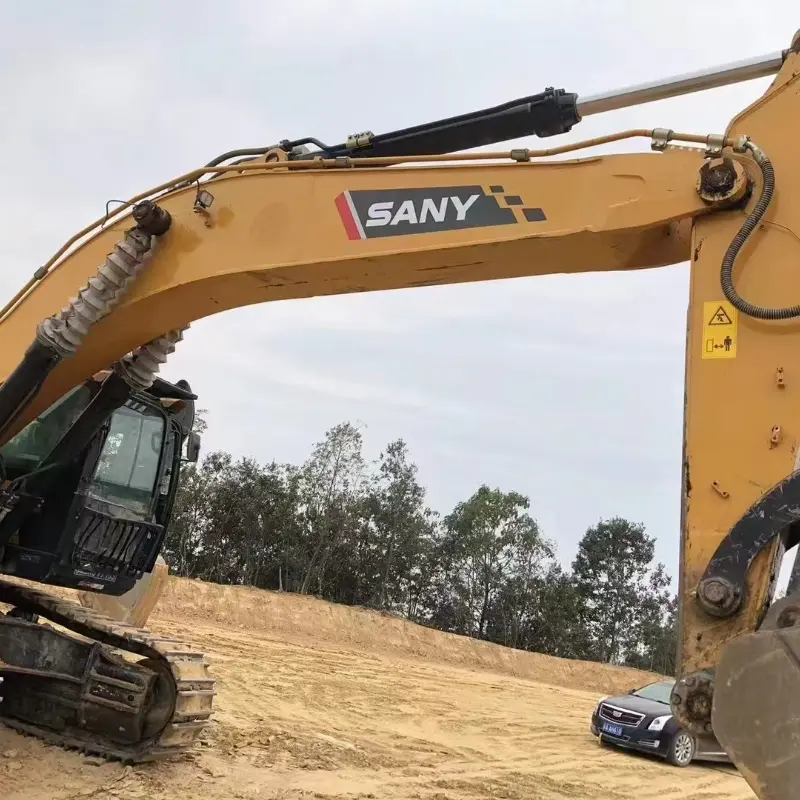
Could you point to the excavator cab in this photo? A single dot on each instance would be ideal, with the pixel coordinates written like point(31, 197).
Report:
point(101, 524)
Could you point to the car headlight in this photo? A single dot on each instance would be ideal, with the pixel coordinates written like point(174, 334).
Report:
point(658, 723)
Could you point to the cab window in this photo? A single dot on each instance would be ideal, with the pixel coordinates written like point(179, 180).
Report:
point(127, 469)
point(27, 449)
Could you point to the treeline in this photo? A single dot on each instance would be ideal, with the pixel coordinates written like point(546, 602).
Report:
point(361, 533)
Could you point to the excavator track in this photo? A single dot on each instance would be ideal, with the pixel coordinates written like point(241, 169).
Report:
point(107, 706)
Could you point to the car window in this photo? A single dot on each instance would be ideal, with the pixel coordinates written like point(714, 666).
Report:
point(659, 691)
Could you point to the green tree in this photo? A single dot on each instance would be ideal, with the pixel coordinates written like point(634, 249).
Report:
point(611, 572)
point(331, 491)
point(399, 523)
point(520, 610)
point(488, 537)
point(183, 540)
point(361, 534)
point(656, 642)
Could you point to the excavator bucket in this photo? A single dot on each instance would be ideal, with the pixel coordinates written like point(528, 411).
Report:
point(135, 606)
point(756, 707)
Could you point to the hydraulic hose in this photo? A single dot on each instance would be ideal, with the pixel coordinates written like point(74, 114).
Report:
point(750, 224)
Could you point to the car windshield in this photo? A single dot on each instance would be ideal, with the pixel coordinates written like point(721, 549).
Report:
point(659, 691)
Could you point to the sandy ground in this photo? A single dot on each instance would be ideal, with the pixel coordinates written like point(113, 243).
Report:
point(321, 701)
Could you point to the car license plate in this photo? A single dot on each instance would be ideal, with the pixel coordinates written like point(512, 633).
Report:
point(614, 730)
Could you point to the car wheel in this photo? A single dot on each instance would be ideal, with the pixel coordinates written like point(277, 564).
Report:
point(681, 749)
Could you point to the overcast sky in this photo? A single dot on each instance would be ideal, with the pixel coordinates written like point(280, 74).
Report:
point(566, 388)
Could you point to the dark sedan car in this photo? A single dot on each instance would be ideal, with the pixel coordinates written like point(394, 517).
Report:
point(642, 720)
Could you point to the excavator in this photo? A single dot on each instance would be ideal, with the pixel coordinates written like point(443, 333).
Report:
point(93, 439)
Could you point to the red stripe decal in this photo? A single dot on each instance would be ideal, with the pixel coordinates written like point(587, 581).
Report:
point(349, 223)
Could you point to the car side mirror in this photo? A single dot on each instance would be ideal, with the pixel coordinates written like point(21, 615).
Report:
point(193, 447)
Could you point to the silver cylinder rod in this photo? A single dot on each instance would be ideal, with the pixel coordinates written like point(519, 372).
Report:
point(735, 72)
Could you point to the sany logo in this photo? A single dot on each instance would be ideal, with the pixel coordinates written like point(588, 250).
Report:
point(372, 214)
point(384, 214)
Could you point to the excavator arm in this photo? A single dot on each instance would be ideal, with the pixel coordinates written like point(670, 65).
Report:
point(403, 210)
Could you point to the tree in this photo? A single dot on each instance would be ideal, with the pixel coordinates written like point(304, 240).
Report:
point(488, 537)
point(183, 539)
point(331, 483)
point(200, 424)
point(611, 572)
point(553, 624)
point(362, 534)
point(520, 610)
point(399, 523)
point(656, 627)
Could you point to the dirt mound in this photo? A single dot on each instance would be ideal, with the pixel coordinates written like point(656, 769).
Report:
point(317, 701)
point(292, 617)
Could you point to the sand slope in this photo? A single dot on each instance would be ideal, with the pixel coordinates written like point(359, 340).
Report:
point(322, 701)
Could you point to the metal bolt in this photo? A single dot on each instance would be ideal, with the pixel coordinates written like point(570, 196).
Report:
point(718, 178)
point(721, 182)
point(718, 596)
point(691, 701)
point(714, 591)
point(700, 705)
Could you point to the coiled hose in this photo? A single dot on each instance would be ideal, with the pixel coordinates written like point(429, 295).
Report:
point(726, 276)
point(139, 369)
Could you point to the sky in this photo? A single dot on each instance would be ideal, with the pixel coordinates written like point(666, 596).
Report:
point(568, 389)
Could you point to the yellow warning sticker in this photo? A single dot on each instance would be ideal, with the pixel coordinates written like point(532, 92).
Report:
point(720, 329)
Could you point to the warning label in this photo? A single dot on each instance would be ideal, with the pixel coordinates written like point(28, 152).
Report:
point(720, 317)
point(720, 329)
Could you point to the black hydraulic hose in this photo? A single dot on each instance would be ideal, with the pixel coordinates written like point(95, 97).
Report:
point(244, 151)
point(25, 381)
point(753, 219)
point(254, 152)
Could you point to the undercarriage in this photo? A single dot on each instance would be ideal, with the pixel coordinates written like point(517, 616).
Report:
point(81, 688)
